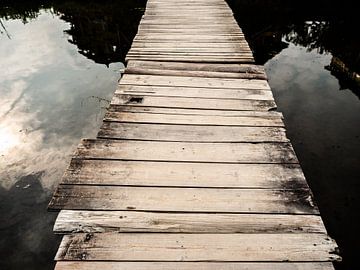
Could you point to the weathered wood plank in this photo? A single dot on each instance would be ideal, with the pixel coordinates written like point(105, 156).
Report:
point(144, 71)
point(178, 111)
point(178, 174)
point(166, 199)
point(197, 51)
point(193, 55)
point(197, 247)
point(193, 103)
point(231, 68)
point(194, 82)
point(193, 119)
point(187, 152)
point(215, 93)
point(69, 221)
point(200, 59)
point(189, 133)
point(75, 265)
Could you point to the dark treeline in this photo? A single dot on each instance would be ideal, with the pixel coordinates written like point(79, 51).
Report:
point(328, 27)
point(102, 30)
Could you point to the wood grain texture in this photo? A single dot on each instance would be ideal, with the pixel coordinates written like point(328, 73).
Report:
point(179, 174)
point(193, 103)
point(189, 133)
point(214, 93)
point(187, 152)
point(69, 221)
point(197, 247)
point(190, 117)
point(195, 73)
point(202, 112)
point(202, 200)
point(75, 265)
point(221, 68)
point(194, 82)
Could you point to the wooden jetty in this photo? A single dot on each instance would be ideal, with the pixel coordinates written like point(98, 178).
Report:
point(191, 168)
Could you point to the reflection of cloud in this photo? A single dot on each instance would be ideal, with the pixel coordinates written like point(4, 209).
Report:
point(296, 65)
point(7, 139)
point(45, 109)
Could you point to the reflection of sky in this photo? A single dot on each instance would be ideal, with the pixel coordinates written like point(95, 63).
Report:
point(323, 123)
point(309, 94)
point(46, 103)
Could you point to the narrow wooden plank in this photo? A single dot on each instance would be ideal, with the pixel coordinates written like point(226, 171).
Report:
point(177, 174)
point(178, 31)
point(75, 265)
point(192, 119)
point(143, 71)
point(200, 59)
point(183, 53)
point(197, 247)
point(194, 82)
point(165, 199)
point(189, 133)
point(69, 221)
point(188, 44)
point(187, 152)
point(230, 68)
point(178, 111)
point(197, 51)
point(195, 92)
point(189, 36)
point(193, 103)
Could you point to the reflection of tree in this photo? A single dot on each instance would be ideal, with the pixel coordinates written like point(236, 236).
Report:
point(21, 10)
point(322, 26)
point(102, 30)
point(347, 79)
point(309, 34)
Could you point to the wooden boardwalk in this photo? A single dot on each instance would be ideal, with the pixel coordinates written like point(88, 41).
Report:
point(191, 168)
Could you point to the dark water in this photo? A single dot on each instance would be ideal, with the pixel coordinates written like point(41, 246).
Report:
point(60, 62)
point(311, 52)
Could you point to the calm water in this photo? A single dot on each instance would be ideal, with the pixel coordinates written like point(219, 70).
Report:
point(60, 63)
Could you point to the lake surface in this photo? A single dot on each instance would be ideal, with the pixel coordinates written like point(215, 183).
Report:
point(60, 64)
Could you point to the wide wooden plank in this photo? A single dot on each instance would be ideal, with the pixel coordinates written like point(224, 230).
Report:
point(194, 82)
point(197, 247)
point(166, 117)
point(193, 103)
point(166, 199)
point(193, 119)
point(70, 221)
point(189, 133)
point(178, 174)
point(187, 151)
point(75, 265)
point(168, 91)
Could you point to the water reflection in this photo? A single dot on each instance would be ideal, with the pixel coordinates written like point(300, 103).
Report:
point(53, 93)
point(328, 28)
point(310, 52)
